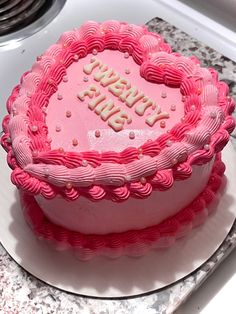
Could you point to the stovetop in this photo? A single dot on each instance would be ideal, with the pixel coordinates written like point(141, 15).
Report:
point(16, 14)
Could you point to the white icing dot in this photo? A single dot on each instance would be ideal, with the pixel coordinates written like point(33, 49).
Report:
point(102, 29)
point(58, 128)
point(126, 55)
point(59, 96)
point(68, 185)
point(68, 113)
point(34, 153)
point(84, 163)
point(199, 91)
point(169, 143)
point(173, 107)
point(8, 140)
point(174, 161)
point(44, 109)
point(143, 180)
point(75, 142)
point(127, 71)
point(65, 78)
point(92, 60)
point(193, 107)
point(213, 115)
point(131, 135)
point(162, 124)
point(46, 172)
point(61, 150)
point(206, 147)
point(95, 52)
point(128, 178)
point(97, 133)
point(183, 98)
point(76, 57)
point(85, 79)
point(34, 128)
point(163, 94)
point(28, 94)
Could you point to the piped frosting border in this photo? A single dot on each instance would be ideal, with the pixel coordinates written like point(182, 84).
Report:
point(203, 131)
point(133, 242)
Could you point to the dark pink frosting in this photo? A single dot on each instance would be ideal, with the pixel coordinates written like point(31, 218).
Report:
point(202, 133)
point(134, 242)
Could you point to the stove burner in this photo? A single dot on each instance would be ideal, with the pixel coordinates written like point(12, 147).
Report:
point(15, 15)
point(3, 1)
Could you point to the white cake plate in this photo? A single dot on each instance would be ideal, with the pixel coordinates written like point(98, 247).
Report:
point(122, 277)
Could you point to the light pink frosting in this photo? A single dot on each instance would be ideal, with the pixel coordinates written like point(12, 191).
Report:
point(132, 242)
point(203, 131)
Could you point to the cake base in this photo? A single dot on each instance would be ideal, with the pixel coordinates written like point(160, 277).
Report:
point(122, 277)
point(133, 242)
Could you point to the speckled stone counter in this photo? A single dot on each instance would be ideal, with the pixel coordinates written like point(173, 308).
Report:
point(22, 293)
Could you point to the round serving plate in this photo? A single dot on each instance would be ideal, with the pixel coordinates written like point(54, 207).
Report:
point(123, 277)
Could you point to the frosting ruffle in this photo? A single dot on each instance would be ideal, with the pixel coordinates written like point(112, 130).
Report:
point(203, 131)
point(131, 243)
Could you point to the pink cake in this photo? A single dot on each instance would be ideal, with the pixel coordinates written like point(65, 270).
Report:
point(114, 141)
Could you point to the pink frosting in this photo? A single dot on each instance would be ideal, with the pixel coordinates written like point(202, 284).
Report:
point(132, 242)
point(84, 128)
point(39, 168)
point(107, 216)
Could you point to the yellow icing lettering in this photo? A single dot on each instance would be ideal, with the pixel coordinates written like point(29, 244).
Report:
point(106, 76)
point(158, 115)
point(88, 68)
point(92, 90)
point(96, 101)
point(131, 96)
point(142, 107)
point(118, 87)
point(118, 120)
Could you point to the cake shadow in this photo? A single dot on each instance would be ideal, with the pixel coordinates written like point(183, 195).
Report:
point(125, 276)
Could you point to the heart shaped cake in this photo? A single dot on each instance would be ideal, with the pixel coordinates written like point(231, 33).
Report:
point(114, 141)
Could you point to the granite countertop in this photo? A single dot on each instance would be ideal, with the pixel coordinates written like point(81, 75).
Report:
point(22, 293)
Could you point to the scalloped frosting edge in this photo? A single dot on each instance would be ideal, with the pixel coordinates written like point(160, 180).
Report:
point(51, 172)
point(130, 243)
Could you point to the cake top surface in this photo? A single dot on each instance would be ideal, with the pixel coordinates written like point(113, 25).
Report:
point(99, 108)
point(110, 111)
